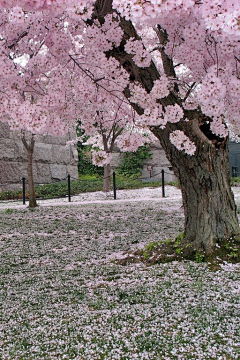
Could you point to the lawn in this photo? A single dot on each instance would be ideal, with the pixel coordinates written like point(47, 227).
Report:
point(65, 295)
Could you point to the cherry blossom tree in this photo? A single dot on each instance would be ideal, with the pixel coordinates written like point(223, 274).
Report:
point(197, 61)
point(30, 106)
point(107, 125)
point(177, 63)
point(28, 119)
point(184, 92)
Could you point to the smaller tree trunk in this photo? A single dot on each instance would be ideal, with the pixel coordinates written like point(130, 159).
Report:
point(107, 178)
point(30, 148)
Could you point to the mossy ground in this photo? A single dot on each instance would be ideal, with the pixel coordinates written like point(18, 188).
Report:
point(178, 249)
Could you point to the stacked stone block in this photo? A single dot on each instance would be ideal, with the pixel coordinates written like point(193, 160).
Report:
point(53, 159)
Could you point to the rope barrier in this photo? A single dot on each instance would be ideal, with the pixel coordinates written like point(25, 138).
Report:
point(79, 180)
point(11, 183)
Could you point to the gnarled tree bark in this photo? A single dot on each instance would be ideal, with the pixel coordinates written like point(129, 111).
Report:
point(204, 178)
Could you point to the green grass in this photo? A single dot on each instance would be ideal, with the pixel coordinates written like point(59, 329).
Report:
point(235, 181)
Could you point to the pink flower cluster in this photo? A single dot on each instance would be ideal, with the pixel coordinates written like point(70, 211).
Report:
point(67, 75)
point(173, 113)
point(130, 141)
point(182, 142)
point(141, 56)
point(101, 158)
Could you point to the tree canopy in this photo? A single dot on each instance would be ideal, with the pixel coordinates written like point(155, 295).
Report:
point(200, 38)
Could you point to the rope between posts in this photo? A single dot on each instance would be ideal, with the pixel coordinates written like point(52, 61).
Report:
point(11, 183)
point(165, 172)
point(147, 178)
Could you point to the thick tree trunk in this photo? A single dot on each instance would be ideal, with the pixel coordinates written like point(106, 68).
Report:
point(30, 148)
point(107, 178)
point(208, 201)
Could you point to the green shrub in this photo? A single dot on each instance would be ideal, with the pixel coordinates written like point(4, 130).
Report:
point(123, 182)
point(235, 181)
point(85, 165)
point(11, 195)
point(132, 162)
point(60, 189)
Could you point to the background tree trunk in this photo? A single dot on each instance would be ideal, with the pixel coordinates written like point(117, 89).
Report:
point(107, 178)
point(30, 148)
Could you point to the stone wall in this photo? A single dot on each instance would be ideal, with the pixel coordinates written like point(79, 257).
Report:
point(152, 168)
point(53, 160)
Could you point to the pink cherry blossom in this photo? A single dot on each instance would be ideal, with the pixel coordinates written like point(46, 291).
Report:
point(202, 42)
point(101, 158)
point(182, 142)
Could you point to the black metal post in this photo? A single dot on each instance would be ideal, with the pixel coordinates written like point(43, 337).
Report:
point(163, 184)
point(24, 190)
point(69, 188)
point(114, 186)
point(234, 171)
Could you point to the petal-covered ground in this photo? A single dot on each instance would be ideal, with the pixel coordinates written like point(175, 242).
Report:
point(63, 296)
